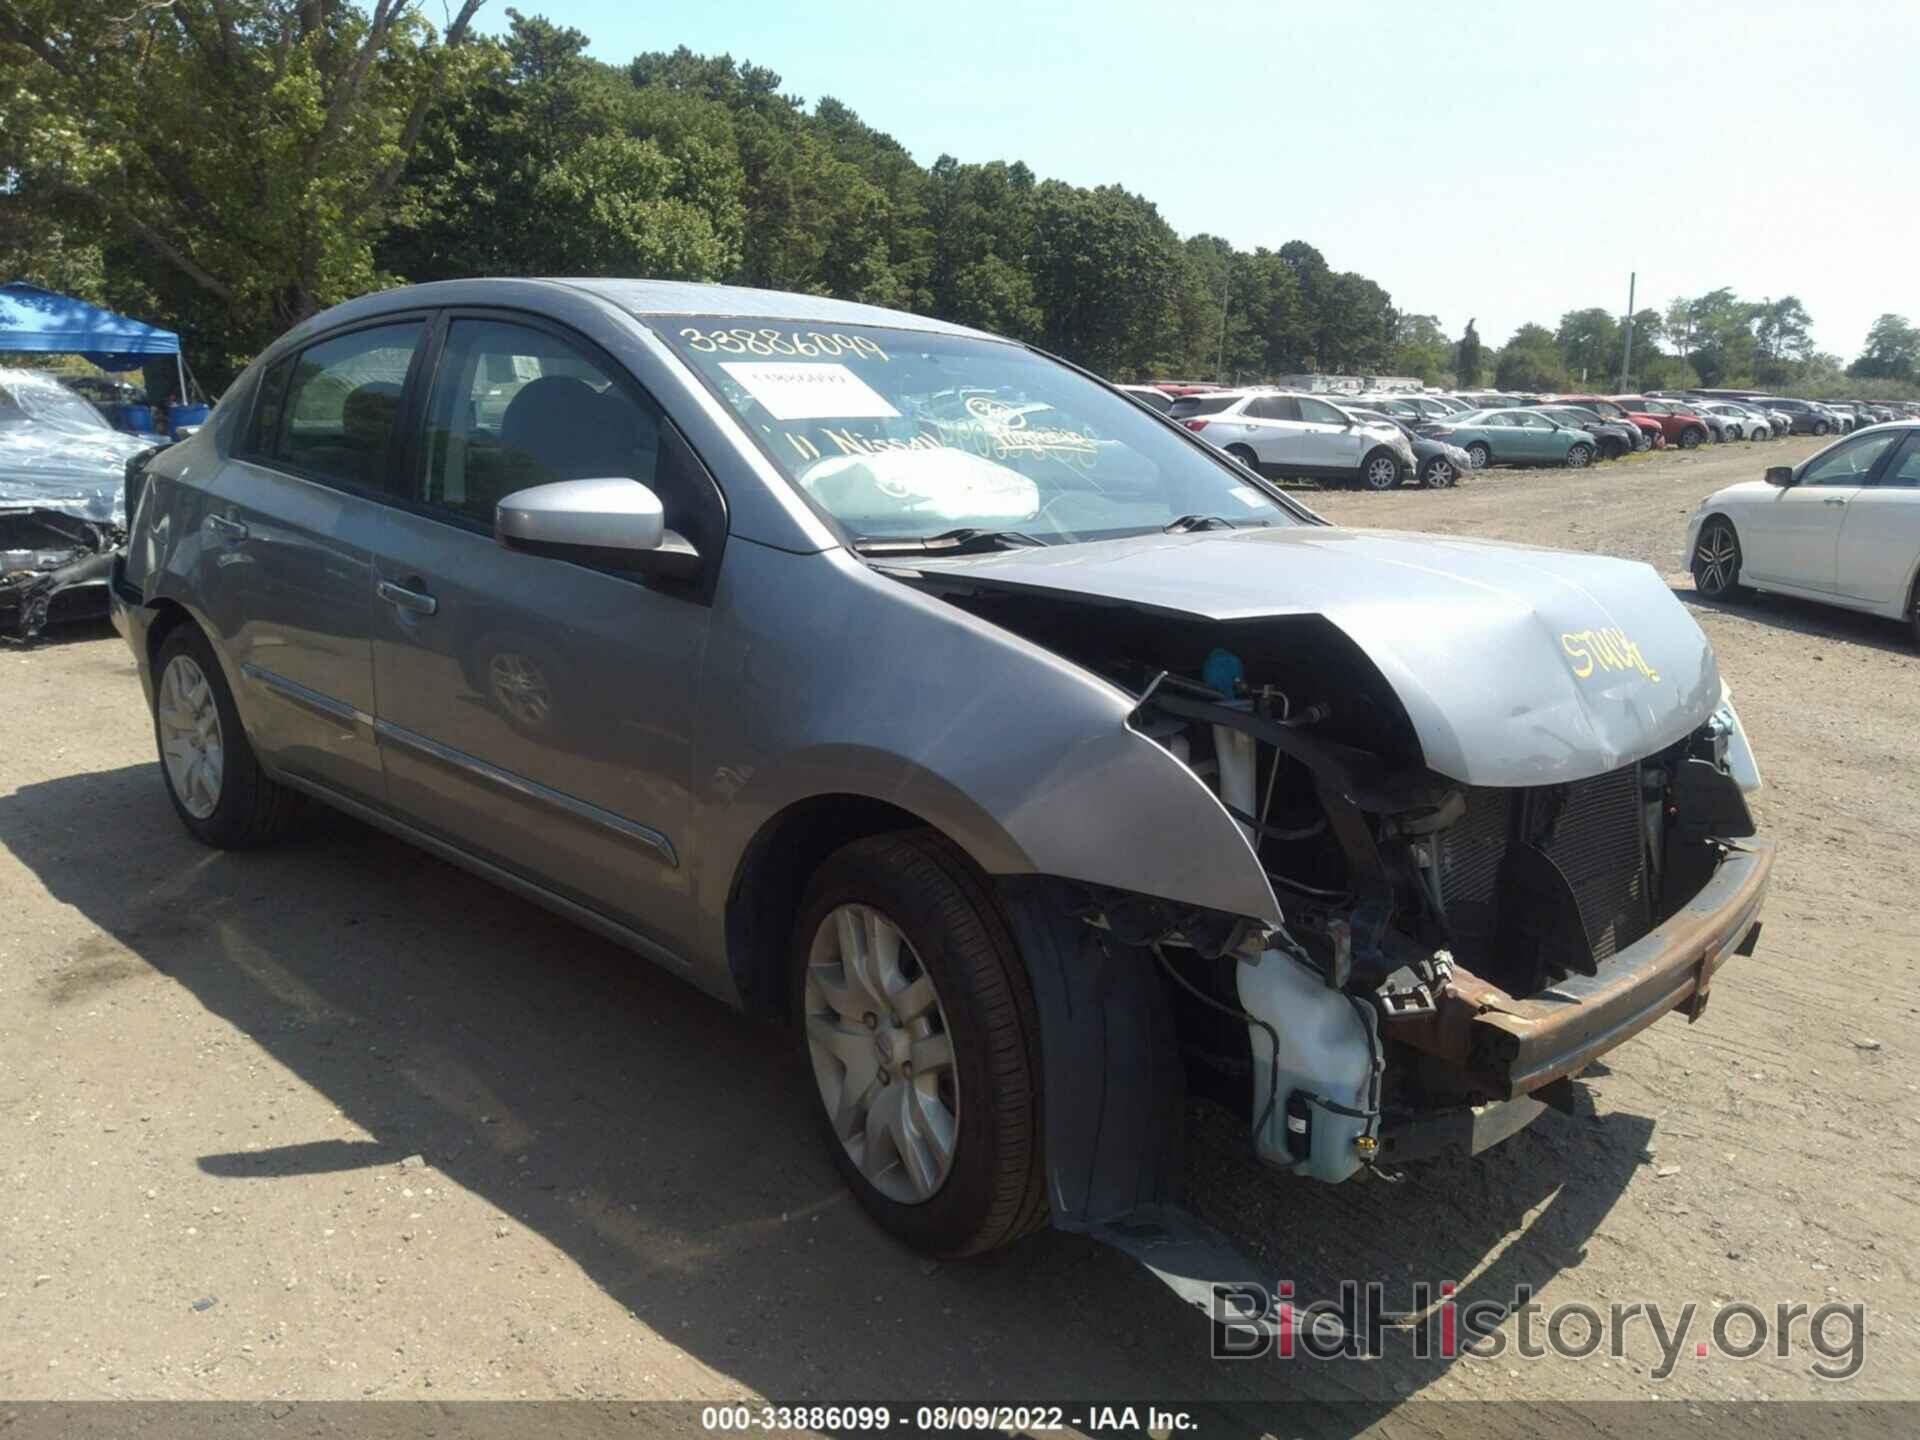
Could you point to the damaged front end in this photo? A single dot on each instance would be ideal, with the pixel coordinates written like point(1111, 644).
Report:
point(53, 567)
point(1449, 951)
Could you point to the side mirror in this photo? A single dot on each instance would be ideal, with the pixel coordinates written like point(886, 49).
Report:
point(1781, 475)
point(614, 522)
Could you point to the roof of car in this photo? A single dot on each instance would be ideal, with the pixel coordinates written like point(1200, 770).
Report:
point(640, 298)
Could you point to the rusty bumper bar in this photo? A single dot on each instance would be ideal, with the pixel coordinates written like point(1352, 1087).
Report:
point(1530, 1043)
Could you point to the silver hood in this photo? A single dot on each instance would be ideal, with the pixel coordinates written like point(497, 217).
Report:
point(1517, 666)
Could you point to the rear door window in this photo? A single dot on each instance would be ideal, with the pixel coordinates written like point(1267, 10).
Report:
point(1200, 405)
point(342, 405)
point(1273, 407)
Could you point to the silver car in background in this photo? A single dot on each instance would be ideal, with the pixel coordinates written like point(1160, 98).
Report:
point(1032, 759)
point(1278, 433)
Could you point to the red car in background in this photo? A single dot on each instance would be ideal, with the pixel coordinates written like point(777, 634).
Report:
point(1649, 425)
point(1686, 431)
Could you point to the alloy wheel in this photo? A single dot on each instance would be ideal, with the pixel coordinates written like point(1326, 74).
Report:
point(190, 740)
point(1440, 474)
point(1716, 560)
point(1480, 455)
point(882, 1054)
point(1382, 473)
point(1578, 456)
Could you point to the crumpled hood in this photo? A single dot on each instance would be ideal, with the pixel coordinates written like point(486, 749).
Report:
point(1517, 666)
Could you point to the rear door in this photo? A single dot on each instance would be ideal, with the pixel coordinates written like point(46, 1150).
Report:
point(538, 712)
point(1880, 541)
point(1793, 535)
point(287, 542)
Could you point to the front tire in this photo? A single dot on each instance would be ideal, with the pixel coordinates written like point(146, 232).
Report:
point(1716, 561)
point(1579, 457)
point(1480, 454)
point(213, 779)
point(1690, 439)
point(1380, 471)
point(917, 1019)
point(1438, 473)
point(1819, 427)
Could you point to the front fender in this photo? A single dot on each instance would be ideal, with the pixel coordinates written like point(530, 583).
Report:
point(823, 677)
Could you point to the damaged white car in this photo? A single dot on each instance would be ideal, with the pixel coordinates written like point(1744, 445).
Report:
point(62, 475)
point(1037, 762)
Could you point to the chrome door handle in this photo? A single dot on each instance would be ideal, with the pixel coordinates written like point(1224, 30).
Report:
point(232, 529)
point(1834, 500)
point(405, 599)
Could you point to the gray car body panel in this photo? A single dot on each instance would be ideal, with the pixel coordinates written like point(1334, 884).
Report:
point(819, 675)
point(1482, 641)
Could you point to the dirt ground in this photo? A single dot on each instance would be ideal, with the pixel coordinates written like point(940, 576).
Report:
point(338, 1121)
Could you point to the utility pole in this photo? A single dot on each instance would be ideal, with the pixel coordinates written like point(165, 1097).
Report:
point(1626, 356)
point(1226, 294)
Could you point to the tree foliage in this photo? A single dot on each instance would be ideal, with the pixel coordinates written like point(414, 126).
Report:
point(228, 167)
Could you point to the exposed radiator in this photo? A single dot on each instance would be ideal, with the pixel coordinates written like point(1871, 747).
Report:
point(1590, 829)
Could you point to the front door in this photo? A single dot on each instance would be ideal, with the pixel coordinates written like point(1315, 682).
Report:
point(1332, 443)
point(538, 712)
point(1880, 542)
point(1795, 536)
point(289, 532)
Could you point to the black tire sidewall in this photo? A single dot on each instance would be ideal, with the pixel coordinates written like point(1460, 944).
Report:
point(1479, 448)
point(950, 1223)
point(1366, 465)
point(228, 827)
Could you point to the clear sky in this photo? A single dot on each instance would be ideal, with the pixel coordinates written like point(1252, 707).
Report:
point(1508, 160)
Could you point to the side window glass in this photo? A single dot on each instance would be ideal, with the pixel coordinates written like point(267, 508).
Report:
point(1905, 471)
point(513, 406)
point(1318, 413)
point(269, 409)
point(1851, 463)
point(342, 401)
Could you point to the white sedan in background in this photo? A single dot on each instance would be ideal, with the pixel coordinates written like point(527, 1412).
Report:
point(1842, 527)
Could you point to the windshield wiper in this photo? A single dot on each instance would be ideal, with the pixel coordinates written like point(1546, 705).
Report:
point(1187, 524)
point(965, 540)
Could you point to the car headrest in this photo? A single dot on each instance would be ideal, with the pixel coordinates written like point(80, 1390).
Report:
point(570, 428)
point(367, 414)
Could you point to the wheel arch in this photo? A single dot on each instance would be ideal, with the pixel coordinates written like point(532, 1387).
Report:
point(764, 894)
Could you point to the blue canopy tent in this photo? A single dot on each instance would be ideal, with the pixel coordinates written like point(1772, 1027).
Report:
point(41, 321)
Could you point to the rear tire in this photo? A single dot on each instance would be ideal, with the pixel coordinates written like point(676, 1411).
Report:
point(948, 992)
point(1480, 454)
point(1244, 454)
point(1716, 561)
point(215, 782)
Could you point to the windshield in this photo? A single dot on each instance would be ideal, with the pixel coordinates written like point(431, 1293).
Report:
point(904, 434)
point(30, 395)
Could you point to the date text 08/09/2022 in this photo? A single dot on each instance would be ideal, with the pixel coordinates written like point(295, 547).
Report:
point(1014, 1419)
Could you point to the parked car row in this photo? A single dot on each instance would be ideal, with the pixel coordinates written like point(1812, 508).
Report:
point(1276, 433)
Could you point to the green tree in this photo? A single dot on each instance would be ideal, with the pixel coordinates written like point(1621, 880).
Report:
point(1105, 267)
point(1420, 348)
point(251, 149)
point(1469, 357)
point(1590, 342)
point(1892, 351)
point(1531, 360)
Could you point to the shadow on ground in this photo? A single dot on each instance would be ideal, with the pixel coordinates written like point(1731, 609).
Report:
point(668, 1146)
point(1808, 617)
